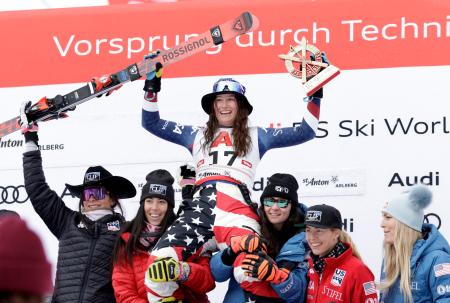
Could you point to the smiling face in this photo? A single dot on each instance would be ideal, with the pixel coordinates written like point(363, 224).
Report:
point(388, 224)
point(276, 214)
point(321, 240)
point(225, 109)
point(155, 210)
point(97, 198)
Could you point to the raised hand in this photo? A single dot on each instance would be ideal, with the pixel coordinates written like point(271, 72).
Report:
point(29, 128)
point(153, 79)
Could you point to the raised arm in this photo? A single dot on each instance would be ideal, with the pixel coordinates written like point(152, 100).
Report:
point(183, 135)
point(269, 138)
point(48, 205)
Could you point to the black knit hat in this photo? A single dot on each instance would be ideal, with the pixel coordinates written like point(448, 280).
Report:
point(159, 184)
point(323, 216)
point(281, 186)
point(99, 176)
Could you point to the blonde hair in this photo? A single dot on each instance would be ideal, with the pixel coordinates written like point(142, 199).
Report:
point(345, 238)
point(397, 259)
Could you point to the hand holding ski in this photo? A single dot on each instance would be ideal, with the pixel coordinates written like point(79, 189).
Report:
point(48, 109)
point(29, 128)
point(153, 79)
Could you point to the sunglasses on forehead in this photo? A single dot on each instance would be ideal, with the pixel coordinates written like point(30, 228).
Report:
point(228, 86)
point(282, 203)
point(98, 193)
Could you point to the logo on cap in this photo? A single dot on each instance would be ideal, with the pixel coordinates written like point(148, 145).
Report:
point(282, 189)
point(314, 216)
point(158, 189)
point(92, 176)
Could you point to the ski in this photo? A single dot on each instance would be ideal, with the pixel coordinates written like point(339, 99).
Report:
point(54, 108)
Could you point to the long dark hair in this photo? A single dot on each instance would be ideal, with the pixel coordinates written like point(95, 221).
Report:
point(275, 239)
point(242, 141)
point(135, 227)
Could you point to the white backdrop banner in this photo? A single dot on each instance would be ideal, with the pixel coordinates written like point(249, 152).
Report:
point(383, 126)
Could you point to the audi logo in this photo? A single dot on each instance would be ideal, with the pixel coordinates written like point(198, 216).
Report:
point(13, 194)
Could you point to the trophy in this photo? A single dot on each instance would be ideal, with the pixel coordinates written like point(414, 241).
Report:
point(311, 68)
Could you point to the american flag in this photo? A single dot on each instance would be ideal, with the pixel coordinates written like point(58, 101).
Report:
point(369, 288)
point(441, 269)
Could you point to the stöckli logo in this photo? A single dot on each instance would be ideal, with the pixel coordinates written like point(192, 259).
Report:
point(158, 189)
point(92, 176)
point(314, 216)
point(281, 189)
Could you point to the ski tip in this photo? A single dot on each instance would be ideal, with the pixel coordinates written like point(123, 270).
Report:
point(250, 20)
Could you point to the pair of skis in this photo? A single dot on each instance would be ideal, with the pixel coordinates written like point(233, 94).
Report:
point(49, 109)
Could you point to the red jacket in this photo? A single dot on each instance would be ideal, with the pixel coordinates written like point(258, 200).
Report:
point(344, 279)
point(128, 281)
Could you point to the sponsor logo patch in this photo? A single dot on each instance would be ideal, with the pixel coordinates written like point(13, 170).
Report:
point(442, 289)
point(338, 277)
point(113, 226)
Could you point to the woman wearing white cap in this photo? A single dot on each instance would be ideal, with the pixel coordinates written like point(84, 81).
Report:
point(336, 272)
point(416, 265)
point(226, 153)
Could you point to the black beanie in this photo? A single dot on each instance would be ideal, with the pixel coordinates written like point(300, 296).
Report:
point(281, 186)
point(159, 184)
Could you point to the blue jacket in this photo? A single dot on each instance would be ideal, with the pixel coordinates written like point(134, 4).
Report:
point(292, 290)
point(430, 266)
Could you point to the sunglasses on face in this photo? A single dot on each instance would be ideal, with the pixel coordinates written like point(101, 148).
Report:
point(282, 203)
point(98, 193)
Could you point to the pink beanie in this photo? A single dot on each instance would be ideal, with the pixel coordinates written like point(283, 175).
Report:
point(23, 265)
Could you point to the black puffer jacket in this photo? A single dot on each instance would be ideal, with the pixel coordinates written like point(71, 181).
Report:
point(85, 247)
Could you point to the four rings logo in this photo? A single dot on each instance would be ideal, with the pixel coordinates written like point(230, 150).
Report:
point(13, 194)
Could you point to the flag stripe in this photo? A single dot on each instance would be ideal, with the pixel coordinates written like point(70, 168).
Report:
point(441, 269)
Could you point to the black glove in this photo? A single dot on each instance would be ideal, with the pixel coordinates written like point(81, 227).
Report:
point(29, 128)
point(228, 256)
point(186, 179)
point(153, 81)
